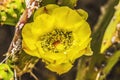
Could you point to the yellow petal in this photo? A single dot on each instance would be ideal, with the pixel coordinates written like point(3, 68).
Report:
point(77, 51)
point(42, 24)
point(48, 9)
point(81, 33)
point(83, 14)
point(60, 68)
point(28, 44)
point(66, 18)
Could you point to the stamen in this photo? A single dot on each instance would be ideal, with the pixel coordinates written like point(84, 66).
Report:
point(56, 41)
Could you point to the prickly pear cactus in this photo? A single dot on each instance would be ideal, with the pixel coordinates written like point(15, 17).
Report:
point(112, 33)
point(10, 11)
point(5, 72)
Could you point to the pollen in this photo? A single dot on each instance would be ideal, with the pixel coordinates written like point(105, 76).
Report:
point(56, 41)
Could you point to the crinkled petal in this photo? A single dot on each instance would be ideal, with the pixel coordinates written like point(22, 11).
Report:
point(42, 25)
point(48, 9)
point(72, 55)
point(81, 33)
point(76, 51)
point(60, 68)
point(66, 18)
point(29, 40)
point(82, 13)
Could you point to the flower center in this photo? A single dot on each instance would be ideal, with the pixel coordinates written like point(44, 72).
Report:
point(56, 41)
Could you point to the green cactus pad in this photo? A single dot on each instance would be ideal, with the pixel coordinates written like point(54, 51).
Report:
point(10, 11)
point(5, 72)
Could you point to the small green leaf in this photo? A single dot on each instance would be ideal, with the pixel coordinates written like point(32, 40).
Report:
point(10, 11)
point(45, 2)
point(5, 72)
point(112, 32)
point(70, 3)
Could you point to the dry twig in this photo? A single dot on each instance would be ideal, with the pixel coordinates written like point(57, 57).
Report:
point(15, 45)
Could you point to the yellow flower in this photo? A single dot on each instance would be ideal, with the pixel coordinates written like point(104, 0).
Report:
point(58, 35)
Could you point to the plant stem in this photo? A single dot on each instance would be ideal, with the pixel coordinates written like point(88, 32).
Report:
point(98, 63)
